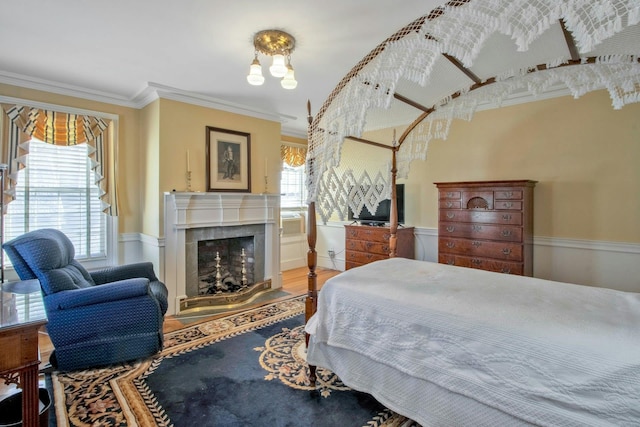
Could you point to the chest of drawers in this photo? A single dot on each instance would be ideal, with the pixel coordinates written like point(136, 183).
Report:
point(365, 244)
point(486, 225)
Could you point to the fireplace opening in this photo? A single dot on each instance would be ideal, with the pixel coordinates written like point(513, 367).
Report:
point(225, 265)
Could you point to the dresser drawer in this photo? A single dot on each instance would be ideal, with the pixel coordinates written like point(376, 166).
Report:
point(497, 250)
point(369, 247)
point(477, 199)
point(363, 257)
point(508, 205)
point(480, 231)
point(370, 234)
point(482, 263)
point(508, 194)
point(465, 215)
point(449, 204)
point(453, 194)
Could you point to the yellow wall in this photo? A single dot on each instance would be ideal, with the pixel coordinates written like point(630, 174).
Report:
point(149, 171)
point(183, 127)
point(585, 155)
point(152, 144)
point(293, 139)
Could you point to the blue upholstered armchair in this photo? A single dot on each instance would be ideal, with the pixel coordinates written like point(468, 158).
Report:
point(98, 318)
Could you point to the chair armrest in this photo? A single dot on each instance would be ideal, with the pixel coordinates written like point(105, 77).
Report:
point(116, 291)
point(123, 272)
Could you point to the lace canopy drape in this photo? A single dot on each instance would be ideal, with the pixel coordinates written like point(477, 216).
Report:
point(21, 123)
point(461, 56)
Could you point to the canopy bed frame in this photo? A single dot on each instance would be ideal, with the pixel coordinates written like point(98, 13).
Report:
point(461, 56)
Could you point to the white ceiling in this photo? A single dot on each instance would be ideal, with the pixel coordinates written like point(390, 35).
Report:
point(130, 51)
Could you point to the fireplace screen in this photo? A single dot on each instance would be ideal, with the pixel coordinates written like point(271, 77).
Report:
point(225, 265)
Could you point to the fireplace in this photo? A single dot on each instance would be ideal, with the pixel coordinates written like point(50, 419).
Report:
point(225, 266)
point(239, 229)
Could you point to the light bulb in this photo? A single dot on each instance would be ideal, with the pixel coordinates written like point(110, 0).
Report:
point(278, 67)
point(255, 77)
point(289, 80)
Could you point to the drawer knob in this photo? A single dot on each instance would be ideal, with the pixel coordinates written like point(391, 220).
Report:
point(508, 205)
point(508, 194)
point(506, 233)
point(506, 251)
point(451, 215)
point(451, 262)
point(476, 227)
point(450, 228)
point(476, 243)
point(505, 270)
point(451, 245)
point(506, 217)
point(449, 194)
point(476, 261)
point(449, 204)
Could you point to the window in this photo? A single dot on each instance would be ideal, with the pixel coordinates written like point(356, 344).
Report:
point(293, 190)
point(57, 189)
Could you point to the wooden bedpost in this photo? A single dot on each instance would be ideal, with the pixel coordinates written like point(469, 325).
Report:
point(393, 216)
point(311, 302)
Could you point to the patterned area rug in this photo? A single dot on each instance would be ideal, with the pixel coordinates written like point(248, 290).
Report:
point(162, 391)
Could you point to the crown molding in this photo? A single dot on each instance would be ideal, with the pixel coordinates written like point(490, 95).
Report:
point(63, 89)
point(147, 95)
point(154, 91)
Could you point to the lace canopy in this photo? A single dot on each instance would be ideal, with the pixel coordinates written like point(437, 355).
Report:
point(445, 65)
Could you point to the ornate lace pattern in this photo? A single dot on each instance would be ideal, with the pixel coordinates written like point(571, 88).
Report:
point(460, 29)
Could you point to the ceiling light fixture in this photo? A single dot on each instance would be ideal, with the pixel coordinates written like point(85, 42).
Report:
point(278, 45)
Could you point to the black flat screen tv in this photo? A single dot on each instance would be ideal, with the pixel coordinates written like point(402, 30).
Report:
point(382, 215)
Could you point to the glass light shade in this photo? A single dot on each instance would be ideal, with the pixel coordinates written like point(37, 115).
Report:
point(289, 80)
point(255, 77)
point(278, 67)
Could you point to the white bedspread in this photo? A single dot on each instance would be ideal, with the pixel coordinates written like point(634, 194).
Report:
point(545, 352)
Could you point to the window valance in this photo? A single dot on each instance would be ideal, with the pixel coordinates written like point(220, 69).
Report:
point(22, 123)
point(293, 156)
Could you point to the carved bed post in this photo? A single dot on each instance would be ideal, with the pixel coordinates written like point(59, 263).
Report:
point(393, 216)
point(311, 302)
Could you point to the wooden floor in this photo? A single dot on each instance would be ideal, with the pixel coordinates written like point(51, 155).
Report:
point(293, 281)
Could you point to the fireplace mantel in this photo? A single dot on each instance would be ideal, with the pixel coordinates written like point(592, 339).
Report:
point(189, 210)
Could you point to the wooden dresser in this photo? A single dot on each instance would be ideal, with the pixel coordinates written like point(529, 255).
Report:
point(487, 225)
point(365, 244)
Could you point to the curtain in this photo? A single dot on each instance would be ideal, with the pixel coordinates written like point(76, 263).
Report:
point(293, 156)
point(21, 123)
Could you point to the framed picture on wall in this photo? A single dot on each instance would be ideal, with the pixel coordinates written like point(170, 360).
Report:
point(228, 160)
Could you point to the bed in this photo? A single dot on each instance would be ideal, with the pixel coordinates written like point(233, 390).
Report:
point(518, 350)
point(448, 345)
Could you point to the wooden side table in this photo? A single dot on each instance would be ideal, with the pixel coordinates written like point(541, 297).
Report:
point(21, 316)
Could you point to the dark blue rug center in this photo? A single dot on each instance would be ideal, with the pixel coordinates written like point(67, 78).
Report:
point(223, 384)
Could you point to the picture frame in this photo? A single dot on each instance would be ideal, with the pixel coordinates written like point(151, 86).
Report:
point(228, 161)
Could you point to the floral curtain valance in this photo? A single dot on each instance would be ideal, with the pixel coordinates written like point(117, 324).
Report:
point(293, 156)
point(21, 123)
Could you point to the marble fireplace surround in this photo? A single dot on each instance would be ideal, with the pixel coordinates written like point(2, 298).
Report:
point(198, 212)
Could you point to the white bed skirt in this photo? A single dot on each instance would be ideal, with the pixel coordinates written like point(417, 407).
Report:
point(440, 407)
